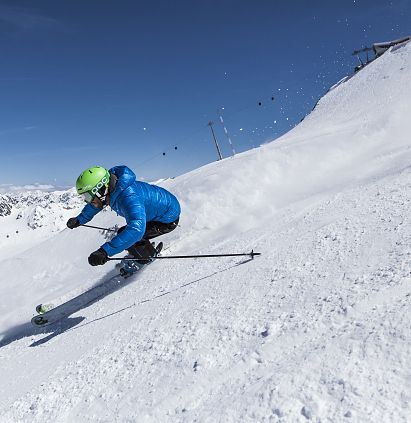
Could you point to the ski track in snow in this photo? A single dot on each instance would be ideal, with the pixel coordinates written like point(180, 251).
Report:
point(316, 329)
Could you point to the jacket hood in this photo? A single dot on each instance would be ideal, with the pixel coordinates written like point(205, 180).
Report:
point(125, 177)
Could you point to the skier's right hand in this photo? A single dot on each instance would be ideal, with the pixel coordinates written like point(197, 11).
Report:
point(73, 223)
point(98, 258)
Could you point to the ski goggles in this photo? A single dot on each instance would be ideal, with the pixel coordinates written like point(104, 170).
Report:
point(89, 196)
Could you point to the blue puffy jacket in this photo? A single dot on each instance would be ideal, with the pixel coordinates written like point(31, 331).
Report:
point(138, 202)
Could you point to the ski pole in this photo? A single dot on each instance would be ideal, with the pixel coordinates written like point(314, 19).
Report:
point(251, 254)
point(97, 227)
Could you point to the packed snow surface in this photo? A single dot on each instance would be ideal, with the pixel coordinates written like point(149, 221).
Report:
point(317, 328)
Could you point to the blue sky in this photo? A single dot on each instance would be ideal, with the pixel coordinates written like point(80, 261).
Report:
point(136, 82)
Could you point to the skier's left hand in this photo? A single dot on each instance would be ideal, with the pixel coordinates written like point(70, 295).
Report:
point(97, 258)
point(73, 223)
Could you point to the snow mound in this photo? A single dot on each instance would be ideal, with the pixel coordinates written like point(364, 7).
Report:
point(358, 132)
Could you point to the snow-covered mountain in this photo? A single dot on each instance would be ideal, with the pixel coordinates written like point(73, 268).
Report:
point(316, 328)
point(30, 202)
point(29, 217)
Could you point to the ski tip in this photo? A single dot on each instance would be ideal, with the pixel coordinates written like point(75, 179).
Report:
point(44, 308)
point(39, 321)
point(159, 247)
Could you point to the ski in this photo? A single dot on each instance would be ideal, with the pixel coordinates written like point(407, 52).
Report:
point(55, 314)
point(48, 314)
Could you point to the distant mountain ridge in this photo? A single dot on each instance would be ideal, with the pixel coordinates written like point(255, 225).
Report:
point(6, 204)
point(38, 207)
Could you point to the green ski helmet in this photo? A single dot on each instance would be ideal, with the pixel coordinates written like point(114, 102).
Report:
point(93, 182)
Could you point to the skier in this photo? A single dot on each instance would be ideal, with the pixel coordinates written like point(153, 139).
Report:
point(149, 211)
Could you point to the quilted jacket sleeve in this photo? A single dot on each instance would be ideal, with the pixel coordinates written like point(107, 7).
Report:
point(135, 215)
point(88, 212)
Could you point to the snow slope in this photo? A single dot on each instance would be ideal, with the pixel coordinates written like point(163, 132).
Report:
point(317, 328)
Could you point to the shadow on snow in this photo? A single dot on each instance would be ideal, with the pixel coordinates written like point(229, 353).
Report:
point(94, 294)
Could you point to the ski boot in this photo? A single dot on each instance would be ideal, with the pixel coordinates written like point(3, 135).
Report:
point(129, 267)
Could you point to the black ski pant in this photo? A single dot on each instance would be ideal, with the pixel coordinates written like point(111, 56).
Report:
point(144, 248)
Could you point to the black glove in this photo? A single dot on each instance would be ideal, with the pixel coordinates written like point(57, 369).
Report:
point(73, 223)
point(98, 258)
